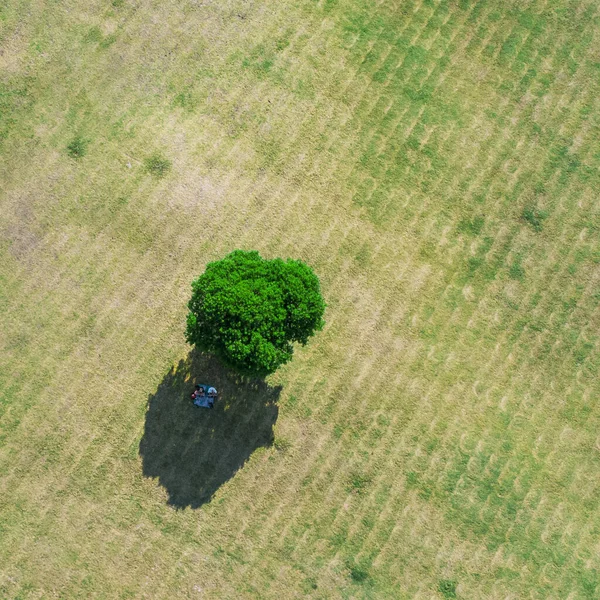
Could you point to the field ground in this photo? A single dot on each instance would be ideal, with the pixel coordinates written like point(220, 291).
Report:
point(436, 163)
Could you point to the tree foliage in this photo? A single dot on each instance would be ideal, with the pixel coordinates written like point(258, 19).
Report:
point(249, 311)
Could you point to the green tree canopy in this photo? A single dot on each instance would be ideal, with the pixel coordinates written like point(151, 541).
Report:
point(249, 310)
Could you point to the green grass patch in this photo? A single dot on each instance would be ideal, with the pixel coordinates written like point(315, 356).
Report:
point(157, 165)
point(77, 147)
point(534, 217)
point(447, 588)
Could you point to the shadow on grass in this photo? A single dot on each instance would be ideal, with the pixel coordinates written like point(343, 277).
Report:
point(193, 451)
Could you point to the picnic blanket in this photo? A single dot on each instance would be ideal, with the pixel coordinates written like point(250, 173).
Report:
point(205, 401)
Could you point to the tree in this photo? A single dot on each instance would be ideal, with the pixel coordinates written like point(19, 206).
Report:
point(249, 310)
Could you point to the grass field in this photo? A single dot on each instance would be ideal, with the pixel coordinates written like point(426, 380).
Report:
point(436, 163)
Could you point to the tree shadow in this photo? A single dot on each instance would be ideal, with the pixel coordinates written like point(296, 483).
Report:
point(193, 451)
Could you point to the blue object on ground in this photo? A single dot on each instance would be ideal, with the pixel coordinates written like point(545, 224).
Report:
point(205, 401)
